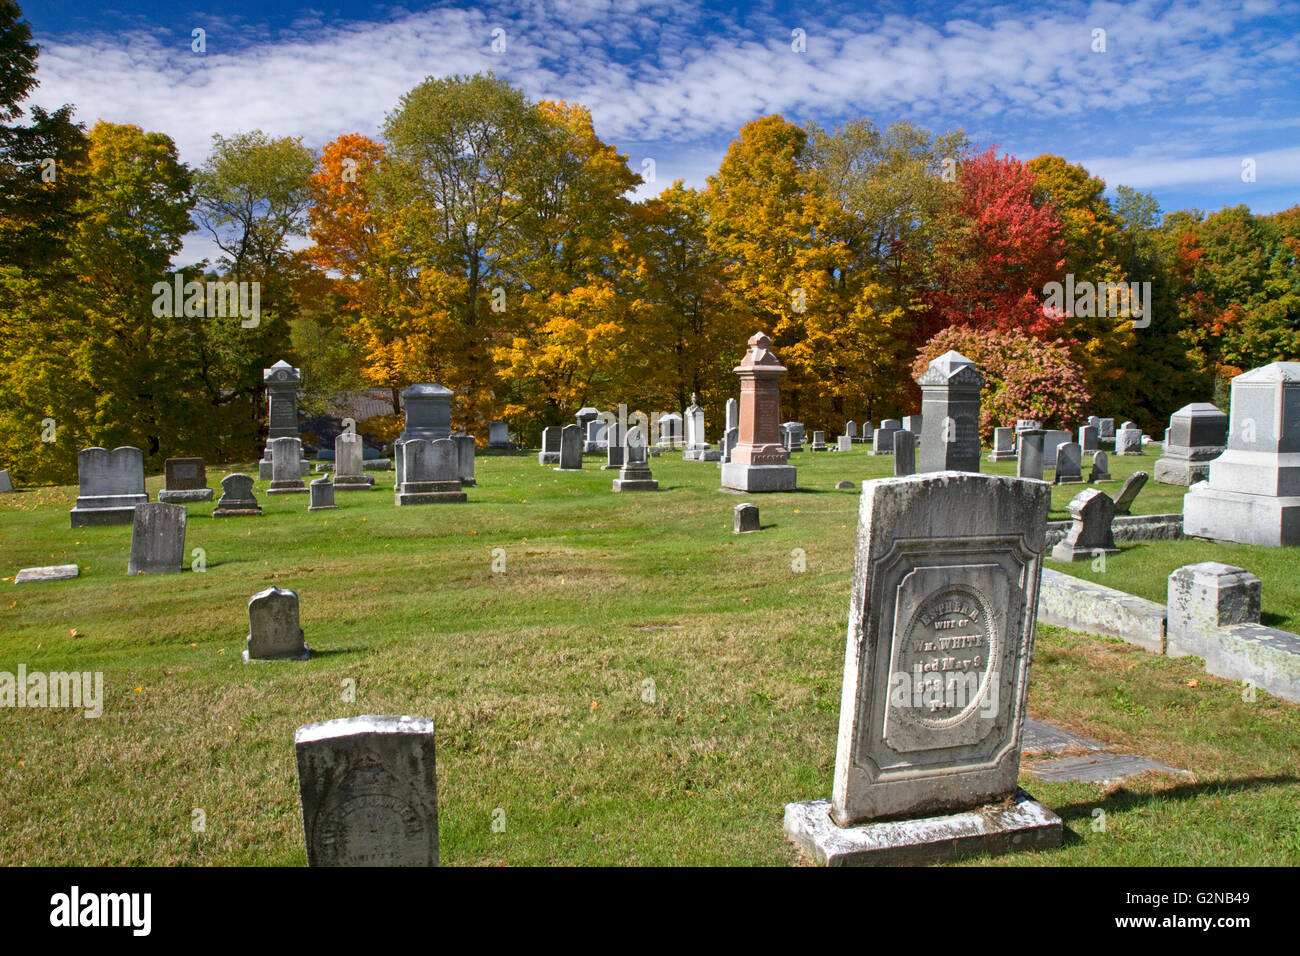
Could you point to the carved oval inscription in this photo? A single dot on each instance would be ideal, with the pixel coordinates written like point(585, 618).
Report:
point(947, 656)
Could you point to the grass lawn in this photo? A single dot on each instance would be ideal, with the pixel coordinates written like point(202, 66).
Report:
point(538, 678)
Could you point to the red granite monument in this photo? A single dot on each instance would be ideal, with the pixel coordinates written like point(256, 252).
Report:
point(759, 462)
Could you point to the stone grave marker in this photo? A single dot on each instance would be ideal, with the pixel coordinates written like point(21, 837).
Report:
point(273, 630)
point(281, 381)
point(1100, 468)
point(53, 572)
point(499, 434)
point(1069, 464)
point(1128, 440)
point(913, 424)
point(759, 462)
point(322, 494)
point(795, 431)
point(157, 539)
point(285, 474)
point(950, 401)
point(883, 439)
point(1106, 427)
point(845, 443)
point(746, 518)
point(904, 453)
point(670, 430)
point(369, 791)
point(428, 412)
point(1003, 445)
point(1128, 491)
point(1029, 453)
point(1197, 434)
point(185, 480)
point(1053, 439)
point(6, 483)
point(110, 486)
point(465, 450)
point(237, 497)
point(430, 472)
point(570, 449)
point(728, 443)
point(1089, 440)
point(818, 442)
point(614, 448)
point(1090, 535)
point(733, 414)
point(1205, 597)
point(550, 453)
point(936, 674)
point(851, 429)
point(635, 474)
point(349, 459)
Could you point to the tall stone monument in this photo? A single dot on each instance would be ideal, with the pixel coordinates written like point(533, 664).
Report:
point(696, 445)
point(936, 674)
point(1253, 492)
point(282, 381)
point(1198, 433)
point(950, 402)
point(759, 462)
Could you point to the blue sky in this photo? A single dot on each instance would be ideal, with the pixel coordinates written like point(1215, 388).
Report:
point(1183, 93)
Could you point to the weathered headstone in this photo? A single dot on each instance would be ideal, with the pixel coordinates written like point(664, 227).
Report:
point(1069, 464)
point(1089, 440)
point(1128, 440)
point(635, 474)
point(184, 480)
point(157, 539)
point(281, 381)
point(285, 472)
point(594, 438)
point(428, 412)
point(1090, 535)
point(52, 572)
point(613, 448)
point(904, 453)
point(499, 435)
point(110, 486)
point(670, 430)
point(883, 439)
point(465, 460)
point(1198, 433)
point(1253, 492)
point(795, 431)
point(936, 673)
point(1053, 439)
point(570, 449)
point(1132, 485)
point(913, 424)
point(845, 443)
point(1003, 445)
point(6, 483)
point(745, 517)
point(758, 461)
point(369, 791)
point(550, 453)
point(322, 494)
point(273, 630)
point(430, 472)
point(950, 401)
point(851, 429)
point(349, 461)
point(237, 497)
point(584, 416)
point(1100, 468)
point(1029, 452)
point(1106, 427)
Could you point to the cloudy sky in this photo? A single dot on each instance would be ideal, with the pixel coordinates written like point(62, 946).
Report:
point(1181, 96)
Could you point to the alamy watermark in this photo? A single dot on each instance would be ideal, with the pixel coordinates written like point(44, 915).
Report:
point(78, 690)
point(1099, 299)
point(211, 300)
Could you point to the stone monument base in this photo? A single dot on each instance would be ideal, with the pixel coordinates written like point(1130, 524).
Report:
point(1001, 456)
point(354, 483)
point(293, 487)
point(236, 512)
point(1241, 518)
point(1179, 471)
point(756, 478)
point(1021, 824)
point(548, 458)
point(185, 497)
point(305, 655)
point(95, 511)
point(428, 492)
point(635, 484)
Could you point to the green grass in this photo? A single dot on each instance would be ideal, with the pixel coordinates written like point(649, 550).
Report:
point(535, 679)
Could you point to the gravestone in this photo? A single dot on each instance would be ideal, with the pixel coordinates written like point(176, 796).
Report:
point(936, 674)
point(550, 453)
point(51, 572)
point(430, 472)
point(184, 480)
point(696, 444)
point(465, 460)
point(273, 630)
point(350, 463)
point(1253, 492)
point(845, 443)
point(110, 486)
point(585, 416)
point(6, 483)
point(843, 484)
point(1029, 452)
point(1198, 433)
point(570, 449)
point(281, 381)
point(237, 497)
point(866, 433)
point(285, 472)
point(595, 438)
point(1090, 535)
point(1100, 468)
point(322, 495)
point(157, 539)
point(1132, 485)
point(784, 432)
point(851, 429)
point(670, 430)
point(1106, 428)
point(1089, 440)
point(728, 443)
point(818, 442)
point(635, 474)
point(1053, 439)
point(1003, 445)
point(1205, 597)
point(913, 424)
point(369, 791)
point(733, 414)
point(613, 448)
point(950, 401)
point(759, 462)
point(428, 412)
point(883, 439)
point(1069, 464)
point(904, 453)
point(795, 431)
point(745, 518)
point(499, 434)
point(1128, 440)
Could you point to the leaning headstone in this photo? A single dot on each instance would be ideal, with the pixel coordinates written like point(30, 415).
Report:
point(465, 459)
point(369, 791)
point(110, 486)
point(282, 381)
point(499, 435)
point(157, 539)
point(550, 453)
point(745, 517)
point(759, 462)
point(1069, 464)
point(1003, 445)
point(1088, 438)
point(570, 449)
point(185, 480)
point(635, 474)
point(950, 401)
point(818, 442)
point(6, 483)
point(1128, 440)
point(1090, 535)
point(237, 497)
point(1132, 485)
point(52, 572)
point(883, 440)
point(350, 463)
point(428, 412)
point(845, 443)
point(936, 674)
point(1198, 433)
point(430, 473)
point(1029, 452)
point(1253, 492)
point(1100, 468)
point(322, 494)
point(285, 455)
point(273, 630)
point(904, 453)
